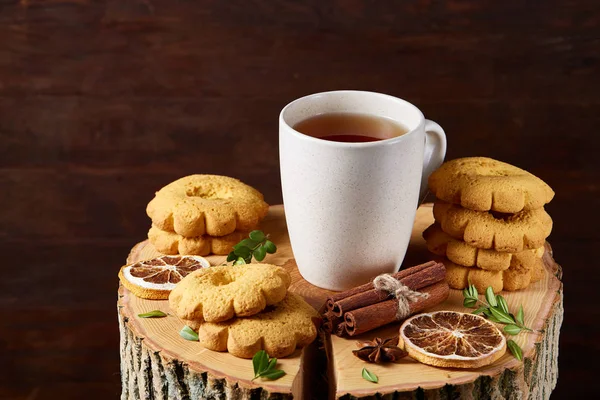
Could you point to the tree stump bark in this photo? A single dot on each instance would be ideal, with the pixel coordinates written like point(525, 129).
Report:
point(147, 373)
point(157, 364)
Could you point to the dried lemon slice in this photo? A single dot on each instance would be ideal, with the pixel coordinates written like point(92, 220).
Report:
point(452, 339)
point(154, 279)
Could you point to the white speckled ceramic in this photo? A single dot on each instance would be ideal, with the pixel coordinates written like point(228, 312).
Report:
point(350, 207)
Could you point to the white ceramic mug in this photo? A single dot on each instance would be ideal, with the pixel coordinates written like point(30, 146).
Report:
point(350, 207)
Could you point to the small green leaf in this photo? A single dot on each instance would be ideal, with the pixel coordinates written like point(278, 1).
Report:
point(260, 362)
point(502, 303)
point(466, 293)
point(270, 247)
point(492, 318)
point(512, 329)
point(474, 292)
point(242, 252)
point(501, 317)
point(520, 316)
point(265, 367)
point(231, 256)
point(257, 236)
point(248, 244)
point(188, 334)
point(480, 310)
point(273, 374)
point(272, 364)
point(491, 297)
point(469, 303)
point(515, 349)
point(239, 261)
point(369, 376)
point(153, 314)
point(260, 253)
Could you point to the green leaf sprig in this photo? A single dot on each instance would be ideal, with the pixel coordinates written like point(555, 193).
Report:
point(496, 310)
point(257, 245)
point(264, 367)
point(515, 349)
point(369, 376)
point(188, 334)
point(153, 314)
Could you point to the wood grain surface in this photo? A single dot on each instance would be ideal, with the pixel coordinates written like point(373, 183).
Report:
point(539, 302)
point(102, 103)
point(162, 335)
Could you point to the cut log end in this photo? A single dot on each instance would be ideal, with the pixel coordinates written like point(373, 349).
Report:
point(146, 374)
point(533, 379)
point(151, 374)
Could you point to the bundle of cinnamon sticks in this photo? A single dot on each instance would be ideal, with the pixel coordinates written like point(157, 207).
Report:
point(364, 308)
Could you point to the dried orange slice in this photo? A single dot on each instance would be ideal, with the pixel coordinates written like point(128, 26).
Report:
point(154, 279)
point(452, 339)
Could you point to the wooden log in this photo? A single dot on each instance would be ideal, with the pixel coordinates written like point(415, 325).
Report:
point(507, 378)
point(157, 364)
point(148, 372)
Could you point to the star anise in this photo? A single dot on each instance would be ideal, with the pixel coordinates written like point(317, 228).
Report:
point(379, 350)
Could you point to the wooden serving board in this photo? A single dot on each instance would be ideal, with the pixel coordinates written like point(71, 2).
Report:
point(158, 363)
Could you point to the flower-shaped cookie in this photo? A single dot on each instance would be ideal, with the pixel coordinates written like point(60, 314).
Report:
point(219, 293)
point(278, 330)
point(171, 243)
point(514, 278)
point(442, 244)
point(483, 184)
point(207, 205)
point(485, 230)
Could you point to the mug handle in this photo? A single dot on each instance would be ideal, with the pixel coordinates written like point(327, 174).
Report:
point(435, 151)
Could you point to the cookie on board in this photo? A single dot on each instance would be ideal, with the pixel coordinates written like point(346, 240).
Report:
point(458, 277)
point(459, 252)
point(278, 330)
point(485, 230)
point(484, 184)
point(219, 293)
point(212, 205)
point(172, 243)
point(514, 278)
point(537, 273)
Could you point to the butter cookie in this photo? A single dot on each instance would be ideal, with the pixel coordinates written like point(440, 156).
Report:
point(278, 330)
point(220, 293)
point(484, 184)
point(212, 205)
point(459, 252)
point(172, 243)
point(502, 232)
point(514, 278)
point(524, 271)
point(458, 277)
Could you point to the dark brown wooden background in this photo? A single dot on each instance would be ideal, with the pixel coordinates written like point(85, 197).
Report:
point(102, 103)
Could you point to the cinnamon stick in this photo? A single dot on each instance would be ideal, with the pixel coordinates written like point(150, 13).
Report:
point(367, 318)
point(341, 330)
point(424, 275)
point(368, 286)
point(323, 308)
point(330, 322)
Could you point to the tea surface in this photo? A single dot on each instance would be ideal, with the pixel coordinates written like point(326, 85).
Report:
point(350, 127)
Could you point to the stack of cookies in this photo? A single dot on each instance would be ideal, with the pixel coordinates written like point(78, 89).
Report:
point(243, 309)
point(490, 223)
point(203, 214)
